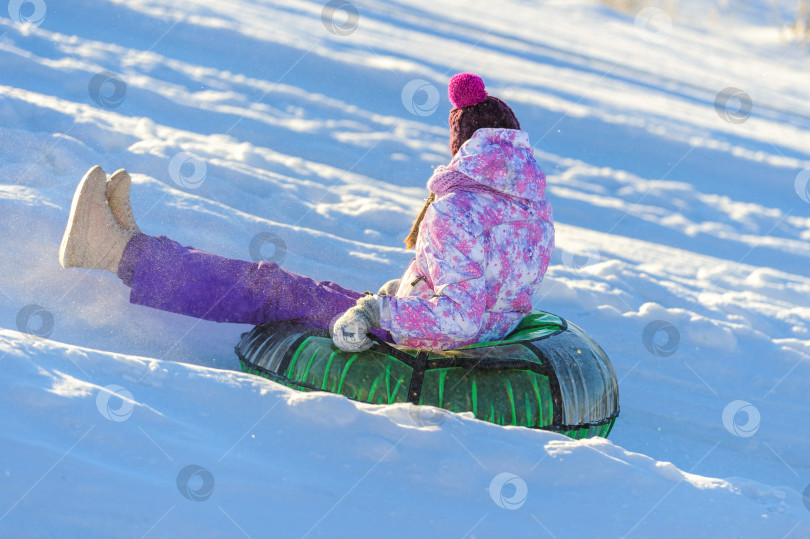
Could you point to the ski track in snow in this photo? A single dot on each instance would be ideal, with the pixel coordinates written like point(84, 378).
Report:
point(664, 212)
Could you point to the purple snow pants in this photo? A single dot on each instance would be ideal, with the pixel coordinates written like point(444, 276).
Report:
point(165, 275)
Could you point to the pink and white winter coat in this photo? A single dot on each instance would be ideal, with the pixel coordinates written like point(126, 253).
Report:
point(483, 247)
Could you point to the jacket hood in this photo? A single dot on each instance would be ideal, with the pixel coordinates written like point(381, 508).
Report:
point(502, 159)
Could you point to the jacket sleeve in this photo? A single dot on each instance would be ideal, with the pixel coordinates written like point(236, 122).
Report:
point(454, 260)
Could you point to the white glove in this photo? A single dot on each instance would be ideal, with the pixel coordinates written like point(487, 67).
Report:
point(350, 332)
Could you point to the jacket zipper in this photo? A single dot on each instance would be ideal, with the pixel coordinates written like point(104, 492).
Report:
point(414, 283)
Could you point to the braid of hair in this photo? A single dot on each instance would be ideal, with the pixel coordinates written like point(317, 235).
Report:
point(410, 241)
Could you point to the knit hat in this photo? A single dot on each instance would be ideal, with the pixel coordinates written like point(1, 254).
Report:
point(474, 109)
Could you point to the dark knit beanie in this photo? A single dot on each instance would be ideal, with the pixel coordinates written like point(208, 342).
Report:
point(474, 109)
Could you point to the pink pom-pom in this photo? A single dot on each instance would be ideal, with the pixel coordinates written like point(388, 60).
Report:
point(466, 89)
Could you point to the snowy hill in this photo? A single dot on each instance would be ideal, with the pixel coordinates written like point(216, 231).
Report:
point(678, 167)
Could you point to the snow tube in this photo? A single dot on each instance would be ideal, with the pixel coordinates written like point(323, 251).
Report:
point(547, 374)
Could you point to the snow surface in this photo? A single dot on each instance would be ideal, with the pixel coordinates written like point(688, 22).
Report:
point(673, 214)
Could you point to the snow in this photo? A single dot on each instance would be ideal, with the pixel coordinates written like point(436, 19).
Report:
point(267, 129)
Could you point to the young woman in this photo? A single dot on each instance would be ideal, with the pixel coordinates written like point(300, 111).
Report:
point(482, 245)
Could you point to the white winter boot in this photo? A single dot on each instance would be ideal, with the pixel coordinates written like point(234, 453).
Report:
point(118, 198)
point(93, 239)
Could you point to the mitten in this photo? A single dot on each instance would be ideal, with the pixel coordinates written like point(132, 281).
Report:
point(389, 288)
point(350, 332)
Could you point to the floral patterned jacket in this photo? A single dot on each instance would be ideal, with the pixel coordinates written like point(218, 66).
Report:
point(481, 253)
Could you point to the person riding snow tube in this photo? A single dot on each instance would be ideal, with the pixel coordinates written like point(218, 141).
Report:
point(547, 374)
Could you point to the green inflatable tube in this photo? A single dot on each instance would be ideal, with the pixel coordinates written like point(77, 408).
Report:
point(547, 374)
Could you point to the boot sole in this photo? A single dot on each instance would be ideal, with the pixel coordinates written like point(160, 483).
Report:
point(74, 241)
